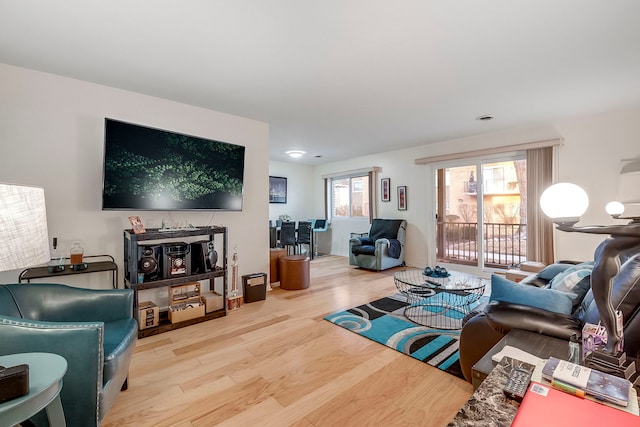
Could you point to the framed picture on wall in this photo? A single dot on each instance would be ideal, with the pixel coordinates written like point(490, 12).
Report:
point(402, 198)
point(385, 189)
point(277, 189)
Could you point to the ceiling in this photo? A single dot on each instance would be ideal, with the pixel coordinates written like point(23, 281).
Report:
point(345, 78)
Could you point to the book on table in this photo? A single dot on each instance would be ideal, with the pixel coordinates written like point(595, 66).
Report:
point(598, 384)
point(548, 407)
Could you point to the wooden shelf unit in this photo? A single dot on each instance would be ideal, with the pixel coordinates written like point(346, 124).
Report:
point(131, 243)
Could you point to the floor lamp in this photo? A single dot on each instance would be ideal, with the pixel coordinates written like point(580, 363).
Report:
point(564, 203)
point(24, 240)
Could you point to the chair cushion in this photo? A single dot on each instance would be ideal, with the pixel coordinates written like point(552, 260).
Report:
point(516, 293)
point(118, 337)
point(384, 228)
point(363, 249)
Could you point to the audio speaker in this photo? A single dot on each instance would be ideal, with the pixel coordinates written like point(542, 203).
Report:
point(149, 263)
point(203, 257)
point(176, 259)
point(199, 257)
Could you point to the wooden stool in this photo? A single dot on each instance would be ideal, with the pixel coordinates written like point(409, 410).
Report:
point(294, 272)
point(274, 263)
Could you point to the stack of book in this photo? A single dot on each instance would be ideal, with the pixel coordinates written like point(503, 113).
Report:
point(582, 381)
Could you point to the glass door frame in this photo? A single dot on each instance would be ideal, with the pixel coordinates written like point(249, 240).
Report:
point(439, 201)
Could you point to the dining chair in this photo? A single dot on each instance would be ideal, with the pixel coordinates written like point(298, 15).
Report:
point(305, 228)
point(288, 236)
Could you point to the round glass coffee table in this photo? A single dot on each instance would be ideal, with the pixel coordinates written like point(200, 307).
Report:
point(439, 302)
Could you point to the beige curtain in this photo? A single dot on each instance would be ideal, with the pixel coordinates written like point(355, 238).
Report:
point(373, 206)
point(539, 227)
point(327, 191)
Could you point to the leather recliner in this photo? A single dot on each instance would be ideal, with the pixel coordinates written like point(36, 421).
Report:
point(482, 331)
point(382, 247)
point(94, 330)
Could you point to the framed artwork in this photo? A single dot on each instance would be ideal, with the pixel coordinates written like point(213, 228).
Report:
point(277, 189)
point(136, 225)
point(402, 197)
point(385, 189)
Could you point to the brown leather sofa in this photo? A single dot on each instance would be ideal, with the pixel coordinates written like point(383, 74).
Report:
point(483, 330)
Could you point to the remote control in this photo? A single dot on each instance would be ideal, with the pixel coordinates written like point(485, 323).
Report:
point(517, 384)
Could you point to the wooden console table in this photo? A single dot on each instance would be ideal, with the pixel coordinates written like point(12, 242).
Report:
point(92, 267)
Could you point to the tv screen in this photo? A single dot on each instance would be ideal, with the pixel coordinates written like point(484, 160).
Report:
point(153, 169)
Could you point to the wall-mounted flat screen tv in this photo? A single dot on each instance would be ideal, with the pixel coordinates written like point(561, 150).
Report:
point(153, 169)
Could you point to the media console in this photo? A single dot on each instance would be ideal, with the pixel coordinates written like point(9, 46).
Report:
point(160, 259)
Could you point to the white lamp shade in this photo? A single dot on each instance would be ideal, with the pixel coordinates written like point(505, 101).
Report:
point(24, 239)
point(564, 202)
point(614, 208)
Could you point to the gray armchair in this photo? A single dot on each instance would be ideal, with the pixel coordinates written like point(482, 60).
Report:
point(382, 247)
point(93, 329)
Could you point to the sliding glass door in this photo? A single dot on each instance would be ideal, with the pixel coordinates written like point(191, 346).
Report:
point(481, 212)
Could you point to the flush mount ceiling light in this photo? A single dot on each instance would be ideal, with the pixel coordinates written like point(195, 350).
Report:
point(484, 118)
point(296, 153)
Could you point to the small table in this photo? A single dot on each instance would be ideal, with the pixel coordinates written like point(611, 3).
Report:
point(439, 302)
point(45, 383)
point(274, 263)
point(294, 272)
point(488, 406)
point(92, 267)
point(539, 345)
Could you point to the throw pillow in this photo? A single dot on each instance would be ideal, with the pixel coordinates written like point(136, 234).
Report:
point(552, 270)
point(570, 277)
point(516, 293)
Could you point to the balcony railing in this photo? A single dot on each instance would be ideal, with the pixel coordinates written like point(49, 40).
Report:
point(504, 244)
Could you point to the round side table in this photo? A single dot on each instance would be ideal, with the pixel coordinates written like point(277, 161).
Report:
point(45, 382)
point(294, 272)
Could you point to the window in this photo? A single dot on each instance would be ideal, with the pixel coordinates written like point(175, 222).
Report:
point(350, 196)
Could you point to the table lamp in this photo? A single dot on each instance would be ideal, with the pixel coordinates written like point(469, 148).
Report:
point(24, 239)
point(564, 203)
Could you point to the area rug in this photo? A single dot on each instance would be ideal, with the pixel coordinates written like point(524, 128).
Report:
point(384, 321)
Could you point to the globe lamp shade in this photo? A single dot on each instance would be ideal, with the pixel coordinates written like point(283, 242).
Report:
point(564, 203)
point(614, 208)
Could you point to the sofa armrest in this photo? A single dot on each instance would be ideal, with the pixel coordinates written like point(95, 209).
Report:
point(81, 344)
point(503, 316)
point(477, 337)
point(355, 241)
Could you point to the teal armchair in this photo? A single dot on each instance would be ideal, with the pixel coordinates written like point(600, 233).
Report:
point(93, 329)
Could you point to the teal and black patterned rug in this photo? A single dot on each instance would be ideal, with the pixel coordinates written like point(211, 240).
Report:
point(384, 321)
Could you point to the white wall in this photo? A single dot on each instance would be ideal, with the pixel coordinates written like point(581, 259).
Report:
point(590, 155)
point(51, 135)
point(591, 158)
point(300, 194)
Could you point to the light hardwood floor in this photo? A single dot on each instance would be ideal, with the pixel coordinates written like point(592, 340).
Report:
point(278, 363)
